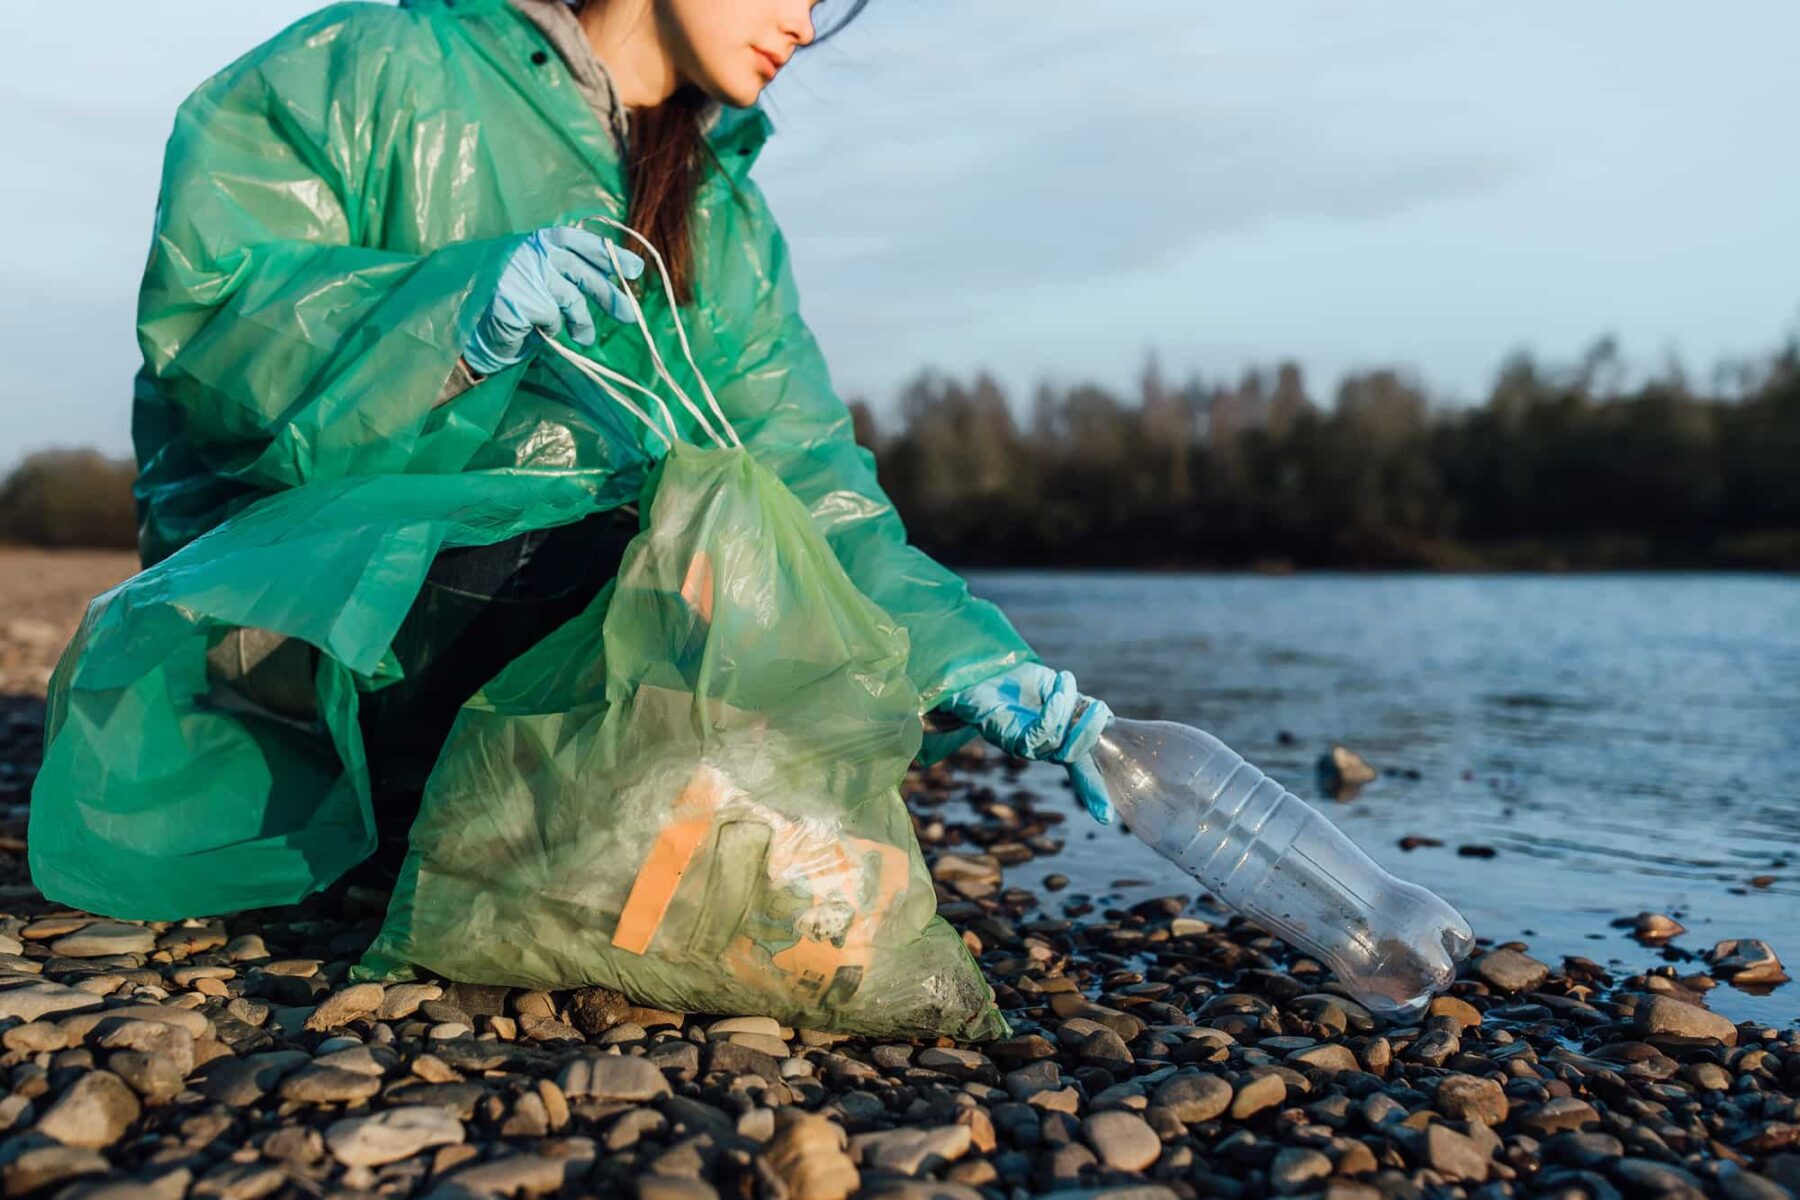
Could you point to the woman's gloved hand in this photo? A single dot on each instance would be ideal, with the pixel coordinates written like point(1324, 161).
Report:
point(545, 287)
point(1036, 713)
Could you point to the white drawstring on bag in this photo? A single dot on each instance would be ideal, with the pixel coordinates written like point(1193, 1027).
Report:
point(605, 377)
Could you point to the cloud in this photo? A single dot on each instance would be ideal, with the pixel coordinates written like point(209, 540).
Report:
point(987, 154)
point(1104, 191)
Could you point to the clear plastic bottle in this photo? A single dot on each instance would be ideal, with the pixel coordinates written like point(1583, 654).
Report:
point(1274, 858)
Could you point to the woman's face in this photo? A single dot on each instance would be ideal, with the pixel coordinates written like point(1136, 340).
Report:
point(731, 49)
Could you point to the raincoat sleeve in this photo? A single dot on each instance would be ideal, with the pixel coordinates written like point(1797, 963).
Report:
point(782, 403)
point(280, 342)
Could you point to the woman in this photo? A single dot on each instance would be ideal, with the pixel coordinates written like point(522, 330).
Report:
point(363, 488)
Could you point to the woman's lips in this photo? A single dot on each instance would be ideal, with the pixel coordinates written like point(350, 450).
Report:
point(770, 63)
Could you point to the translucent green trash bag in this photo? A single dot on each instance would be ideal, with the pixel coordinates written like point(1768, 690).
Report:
point(689, 793)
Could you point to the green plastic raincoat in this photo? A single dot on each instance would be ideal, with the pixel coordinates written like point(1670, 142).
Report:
point(335, 210)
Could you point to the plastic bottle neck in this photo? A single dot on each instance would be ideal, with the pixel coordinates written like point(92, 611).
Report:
point(1106, 744)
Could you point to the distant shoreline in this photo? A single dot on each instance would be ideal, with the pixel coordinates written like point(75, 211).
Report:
point(1372, 571)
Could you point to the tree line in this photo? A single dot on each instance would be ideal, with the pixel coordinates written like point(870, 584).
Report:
point(1558, 468)
point(62, 498)
point(1567, 468)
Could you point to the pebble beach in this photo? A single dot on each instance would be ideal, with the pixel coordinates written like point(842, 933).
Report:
point(1160, 1050)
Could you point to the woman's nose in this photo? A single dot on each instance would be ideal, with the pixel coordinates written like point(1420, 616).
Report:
point(798, 22)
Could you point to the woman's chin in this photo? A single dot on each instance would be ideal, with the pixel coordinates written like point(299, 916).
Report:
point(735, 92)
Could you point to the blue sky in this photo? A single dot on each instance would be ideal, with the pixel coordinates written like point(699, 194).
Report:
point(1023, 186)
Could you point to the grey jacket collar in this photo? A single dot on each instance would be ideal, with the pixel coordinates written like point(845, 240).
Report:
point(559, 25)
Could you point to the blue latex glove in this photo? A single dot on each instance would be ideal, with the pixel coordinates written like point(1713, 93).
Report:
point(1031, 712)
point(545, 287)
point(1090, 788)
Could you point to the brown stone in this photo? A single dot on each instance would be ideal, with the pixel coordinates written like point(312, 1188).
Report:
point(1470, 1097)
point(808, 1154)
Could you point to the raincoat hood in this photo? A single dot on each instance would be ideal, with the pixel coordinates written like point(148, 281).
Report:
point(560, 25)
point(734, 132)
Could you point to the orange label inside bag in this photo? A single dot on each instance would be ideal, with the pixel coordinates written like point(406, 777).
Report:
point(697, 587)
point(668, 861)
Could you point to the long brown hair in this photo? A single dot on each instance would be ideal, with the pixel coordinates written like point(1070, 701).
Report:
point(664, 165)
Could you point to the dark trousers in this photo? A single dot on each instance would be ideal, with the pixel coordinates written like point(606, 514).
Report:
point(481, 607)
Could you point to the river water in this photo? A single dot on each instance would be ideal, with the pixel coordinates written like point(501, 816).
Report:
point(1621, 742)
